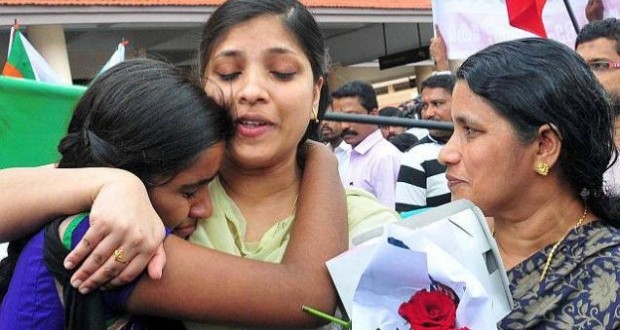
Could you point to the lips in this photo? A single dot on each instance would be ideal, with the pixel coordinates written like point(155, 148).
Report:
point(184, 231)
point(253, 126)
point(454, 181)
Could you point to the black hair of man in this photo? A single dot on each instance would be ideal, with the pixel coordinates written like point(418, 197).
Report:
point(608, 28)
point(389, 111)
point(360, 89)
point(445, 81)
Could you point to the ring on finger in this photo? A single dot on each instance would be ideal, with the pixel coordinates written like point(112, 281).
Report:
point(119, 256)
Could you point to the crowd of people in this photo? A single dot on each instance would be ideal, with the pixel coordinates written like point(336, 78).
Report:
point(219, 212)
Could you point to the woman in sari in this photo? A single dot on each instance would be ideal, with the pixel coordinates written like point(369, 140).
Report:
point(532, 140)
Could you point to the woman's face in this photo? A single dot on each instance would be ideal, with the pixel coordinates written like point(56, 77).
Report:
point(185, 198)
point(266, 76)
point(485, 161)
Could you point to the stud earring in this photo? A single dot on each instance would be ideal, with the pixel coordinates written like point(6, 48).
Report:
point(542, 168)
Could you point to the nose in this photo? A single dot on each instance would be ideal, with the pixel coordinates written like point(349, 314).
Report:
point(252, 89)
point(449, 154)
point(428, 112)
point(345, 125)
point(202, 207)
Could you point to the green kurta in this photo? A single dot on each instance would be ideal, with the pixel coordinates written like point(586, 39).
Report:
point(225, 229)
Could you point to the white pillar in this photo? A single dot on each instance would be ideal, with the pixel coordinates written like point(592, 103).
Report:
point(49, 41)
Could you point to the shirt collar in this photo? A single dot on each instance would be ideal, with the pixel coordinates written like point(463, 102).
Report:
point(369, 142)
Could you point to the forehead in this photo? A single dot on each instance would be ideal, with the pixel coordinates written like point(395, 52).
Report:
point(600, 48)
point(433, 93)
point(260, 33)
point(347, 103)
point(466, 105)
point(205, 166)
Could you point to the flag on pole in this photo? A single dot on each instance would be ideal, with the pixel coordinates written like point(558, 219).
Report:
point(23, 61)
point(527, 15)
point(117, 57)
point(34, 116)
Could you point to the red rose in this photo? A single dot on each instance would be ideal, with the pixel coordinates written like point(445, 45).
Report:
point(429, 311)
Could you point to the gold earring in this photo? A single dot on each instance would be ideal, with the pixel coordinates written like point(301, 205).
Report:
point(315, 116)
point(542, 168)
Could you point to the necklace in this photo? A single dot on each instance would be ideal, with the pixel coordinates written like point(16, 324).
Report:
point(555, 246)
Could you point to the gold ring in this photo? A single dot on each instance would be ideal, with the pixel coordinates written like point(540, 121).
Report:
point(119, 256)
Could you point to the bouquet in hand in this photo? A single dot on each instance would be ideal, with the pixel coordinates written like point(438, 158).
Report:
point(431, 310)
point(439, 270)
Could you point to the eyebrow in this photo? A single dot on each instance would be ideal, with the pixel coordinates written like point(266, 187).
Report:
point(228, 53)
point(273, 51)
point(464, 120)
point(280, 50)
point(197, 184)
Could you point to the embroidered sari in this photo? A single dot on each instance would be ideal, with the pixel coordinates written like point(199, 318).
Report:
point(581, 288)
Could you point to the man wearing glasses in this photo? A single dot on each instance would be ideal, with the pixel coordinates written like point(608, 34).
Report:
point(599, 44)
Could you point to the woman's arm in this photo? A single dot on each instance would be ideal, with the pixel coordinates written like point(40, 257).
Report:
point(209, 286)
point(29, 197)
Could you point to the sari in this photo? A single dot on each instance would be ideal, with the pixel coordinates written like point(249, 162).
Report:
point(580, 289)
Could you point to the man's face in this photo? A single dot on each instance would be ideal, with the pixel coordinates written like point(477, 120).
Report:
point(390, 132)
point(437, 103)
point(598, 51)
point(353, 133)
point(330, 130)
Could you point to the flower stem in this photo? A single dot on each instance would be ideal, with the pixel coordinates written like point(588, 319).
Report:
point(325, 316)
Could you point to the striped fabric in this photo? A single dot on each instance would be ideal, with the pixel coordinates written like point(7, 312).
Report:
point(421, 180)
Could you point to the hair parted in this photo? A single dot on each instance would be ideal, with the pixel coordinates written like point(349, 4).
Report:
point(146, 117)
point(532, 82)
point(302, 26)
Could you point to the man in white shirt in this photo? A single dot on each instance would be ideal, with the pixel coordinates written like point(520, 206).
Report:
point(331, 135)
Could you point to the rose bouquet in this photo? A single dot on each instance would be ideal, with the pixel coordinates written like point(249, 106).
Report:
point(437, 270)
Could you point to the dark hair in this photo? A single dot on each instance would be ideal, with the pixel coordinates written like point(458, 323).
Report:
point(297, 19)
point(360, 89)
point(390, 111)
point(532, 82)
point(445, 81)
point(146, 117)
point(608, 28)
point(143, 116)
point(404, 141)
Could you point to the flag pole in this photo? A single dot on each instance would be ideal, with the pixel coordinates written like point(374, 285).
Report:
point(13, 29)
point(569, 9)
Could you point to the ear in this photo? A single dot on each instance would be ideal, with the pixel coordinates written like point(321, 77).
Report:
point(374, 112)
point(316, 97)
point(548, 145)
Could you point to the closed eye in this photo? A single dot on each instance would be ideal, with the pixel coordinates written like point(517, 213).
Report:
point(228, 76)
point(284, 75)
point(470, 132)
point(189, 194)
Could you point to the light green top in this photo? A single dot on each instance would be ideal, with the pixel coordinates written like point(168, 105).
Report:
point(225, 229)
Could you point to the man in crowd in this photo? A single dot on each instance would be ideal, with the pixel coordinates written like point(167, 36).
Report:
point(599, 44)
point(421, 180)
point(330, 133)
point(374, 161)
point(390, 131)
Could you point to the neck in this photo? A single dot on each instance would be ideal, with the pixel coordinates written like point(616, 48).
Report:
point(264, 196)
point(257, 183)
point(522, 233)
point(335, 143)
